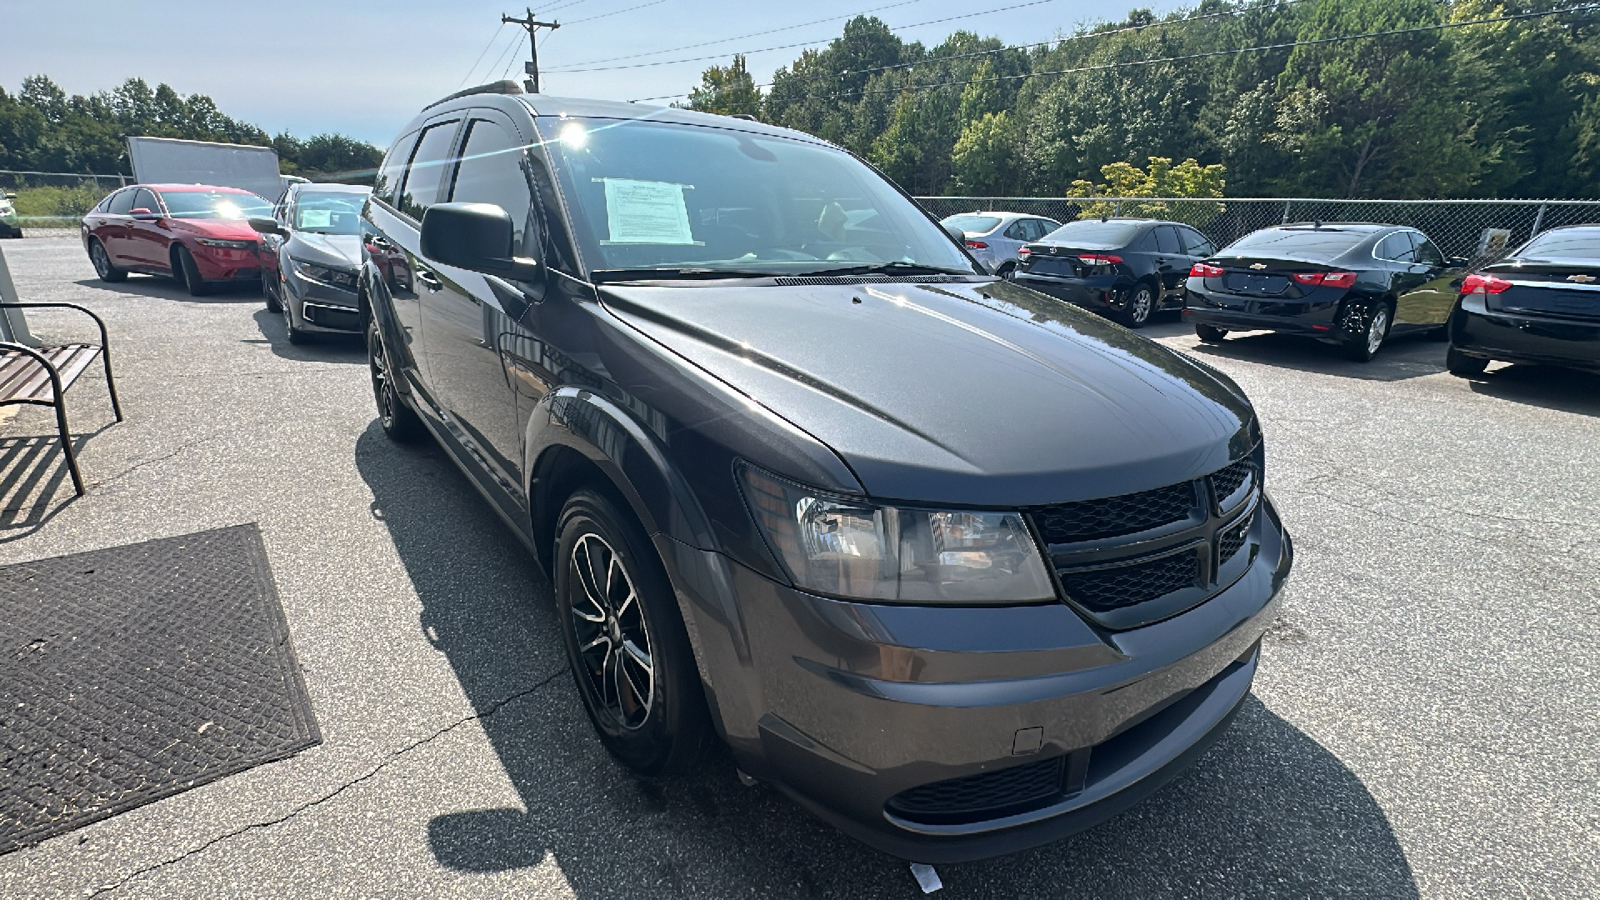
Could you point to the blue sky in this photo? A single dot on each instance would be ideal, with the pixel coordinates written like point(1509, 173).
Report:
point(365, 68)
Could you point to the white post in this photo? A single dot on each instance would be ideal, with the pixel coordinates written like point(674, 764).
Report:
point(13, 327)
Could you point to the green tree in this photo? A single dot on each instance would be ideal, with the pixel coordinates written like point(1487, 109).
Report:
point(728, 90)
point(985, 159)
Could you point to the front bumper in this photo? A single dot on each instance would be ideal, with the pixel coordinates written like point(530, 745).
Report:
point(868, 714)
point(226, 264)
point(1476, 330)
point(320, 307)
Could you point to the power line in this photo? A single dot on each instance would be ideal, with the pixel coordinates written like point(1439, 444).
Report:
point(670, 62)
point(590, 62)
point(501, 56)
point(615, 13)
point(481, 55)
point(1194, 56)
point(1055, 42)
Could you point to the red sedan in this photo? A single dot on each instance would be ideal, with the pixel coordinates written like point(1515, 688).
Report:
point(195, 233)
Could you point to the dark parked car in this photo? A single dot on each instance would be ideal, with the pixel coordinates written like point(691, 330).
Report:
point(311, 248)
point(192, 232)
point(958, 567)
point(1351, 284)
point(1128, 268)
point(1541, 305)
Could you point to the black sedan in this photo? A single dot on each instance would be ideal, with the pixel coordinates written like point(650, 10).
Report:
point(313, 248)
point(1350, 284)
point(1541, 305)
point(1127, 268)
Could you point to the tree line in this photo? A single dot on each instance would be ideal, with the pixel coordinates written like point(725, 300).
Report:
point(43, 129)
point(1497, 104)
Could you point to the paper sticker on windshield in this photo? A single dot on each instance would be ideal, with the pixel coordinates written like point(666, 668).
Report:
point(646, 212)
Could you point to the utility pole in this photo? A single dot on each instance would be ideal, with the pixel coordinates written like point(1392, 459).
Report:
point(532, 67)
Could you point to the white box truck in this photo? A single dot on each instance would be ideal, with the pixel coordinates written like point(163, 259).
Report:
point(172, 161)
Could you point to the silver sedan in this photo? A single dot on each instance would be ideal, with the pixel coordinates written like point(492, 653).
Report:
point(995, 237)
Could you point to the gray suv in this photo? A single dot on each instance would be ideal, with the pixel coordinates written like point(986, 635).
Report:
point(958, 567)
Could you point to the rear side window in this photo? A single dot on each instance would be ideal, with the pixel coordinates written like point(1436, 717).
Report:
point(144, 199)
point(1397, 247)
point(1020, 230)
point(491, 172)
point(1195, 243)
point(1427, 253)
point(425, 175)
point(121, 202)
point(387, 185)
point(1315, 243)
point(1167, 239)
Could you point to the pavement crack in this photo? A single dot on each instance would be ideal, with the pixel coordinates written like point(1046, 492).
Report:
point(312, 804)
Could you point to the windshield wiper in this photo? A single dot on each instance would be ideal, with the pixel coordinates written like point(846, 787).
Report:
point(687, 273)
point(893, 267)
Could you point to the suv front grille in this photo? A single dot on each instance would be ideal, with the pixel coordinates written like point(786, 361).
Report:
point(978, 797)
point(1229, 544)
point(1088, 520)
point(1103, 590)
point(1226, 482)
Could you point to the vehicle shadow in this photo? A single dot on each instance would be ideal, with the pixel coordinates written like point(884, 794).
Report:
point(348, 349)
point(1268, 811)
point(171, 289)
point(1552, 387)
point(1401, 358)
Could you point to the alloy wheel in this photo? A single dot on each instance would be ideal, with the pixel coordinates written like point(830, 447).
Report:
point(378, 364)
point(97, 254)
point(1139, 308)
point(613, 638)
point(1377, 328)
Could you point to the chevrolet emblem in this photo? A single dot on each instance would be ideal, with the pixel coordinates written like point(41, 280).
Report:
point(1258, 265)
point(1581, 279)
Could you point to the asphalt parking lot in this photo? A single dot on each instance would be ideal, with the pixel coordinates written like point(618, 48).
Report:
point(1426, 721)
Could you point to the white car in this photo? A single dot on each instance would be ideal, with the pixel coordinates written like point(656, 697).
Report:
point(10, 225)
point(995, 237)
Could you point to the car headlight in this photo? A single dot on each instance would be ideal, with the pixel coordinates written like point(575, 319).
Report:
point(848, 547)
point(339, 278)
point(228, 245)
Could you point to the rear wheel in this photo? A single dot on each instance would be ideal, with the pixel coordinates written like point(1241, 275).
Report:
point(1007, 271)
point(626, 641)
point(399, 420)
point(1367, 332)
point(190, 273)
point(102, 263)
point(1210, 334)
point(1141, 302)
point(1462, 365)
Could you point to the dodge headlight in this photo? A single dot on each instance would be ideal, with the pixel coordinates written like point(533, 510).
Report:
point(847, 547)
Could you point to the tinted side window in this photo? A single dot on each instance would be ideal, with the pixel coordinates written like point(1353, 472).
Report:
point(146, 200)
point(121, 202)
point(425, 175)
point(1146, 243)
point(1396, 247)
point(1427, 253)
point(491, 172)
point(1167, 239)
point(1019, 231)
point(387, 185)
point(1195, 243)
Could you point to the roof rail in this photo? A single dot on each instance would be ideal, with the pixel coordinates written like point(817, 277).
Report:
point(506, 86)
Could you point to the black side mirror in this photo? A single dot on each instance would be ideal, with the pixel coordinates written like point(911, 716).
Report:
point(476, 237)
point(956, 233)
point(264, 225)
point(1456, 262)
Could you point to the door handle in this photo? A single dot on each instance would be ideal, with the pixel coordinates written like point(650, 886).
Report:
point(429, 279)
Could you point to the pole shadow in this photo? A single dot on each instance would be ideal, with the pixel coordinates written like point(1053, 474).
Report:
point(1267, 812)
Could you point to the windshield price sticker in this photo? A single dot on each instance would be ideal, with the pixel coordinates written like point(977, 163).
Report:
point(646, 212)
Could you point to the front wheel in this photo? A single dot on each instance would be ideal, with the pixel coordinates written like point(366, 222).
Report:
point(399, 421)
point(191, 274)
point(274, 305)
point(626, 641)
point(102, 263)
point(1463, 366)
point(1210, 334)
point(1141, 302)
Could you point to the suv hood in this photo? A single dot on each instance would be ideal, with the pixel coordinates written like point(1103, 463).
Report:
point(980, 393)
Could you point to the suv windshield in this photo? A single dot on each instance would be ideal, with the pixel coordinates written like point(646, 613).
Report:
point(215, 205)
point(651, 196)
point(326, 212)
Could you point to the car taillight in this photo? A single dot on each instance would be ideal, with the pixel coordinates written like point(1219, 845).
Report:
point(1484, 284)
point(1202, 270)
point(1025, 252)
point(977, 245)
point(1326, 279)
point(1100, 259)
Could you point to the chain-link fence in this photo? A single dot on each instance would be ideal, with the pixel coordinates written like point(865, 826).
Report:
point(1480, 230)
point(54, 200)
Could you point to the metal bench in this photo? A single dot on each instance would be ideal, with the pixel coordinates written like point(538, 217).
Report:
point(40, 376)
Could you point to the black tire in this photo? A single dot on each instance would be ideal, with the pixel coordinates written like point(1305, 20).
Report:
point(1463, 366)
point(297, 335)
point(1006, 271)
point(400, 422)
point(1140, 304)
point(274, 305)
point(1366, 327)
point(627, 602)
point(190, 273)
point(1210, 334)
point(103, 266)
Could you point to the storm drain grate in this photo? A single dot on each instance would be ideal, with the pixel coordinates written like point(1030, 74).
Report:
point(137, 672)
